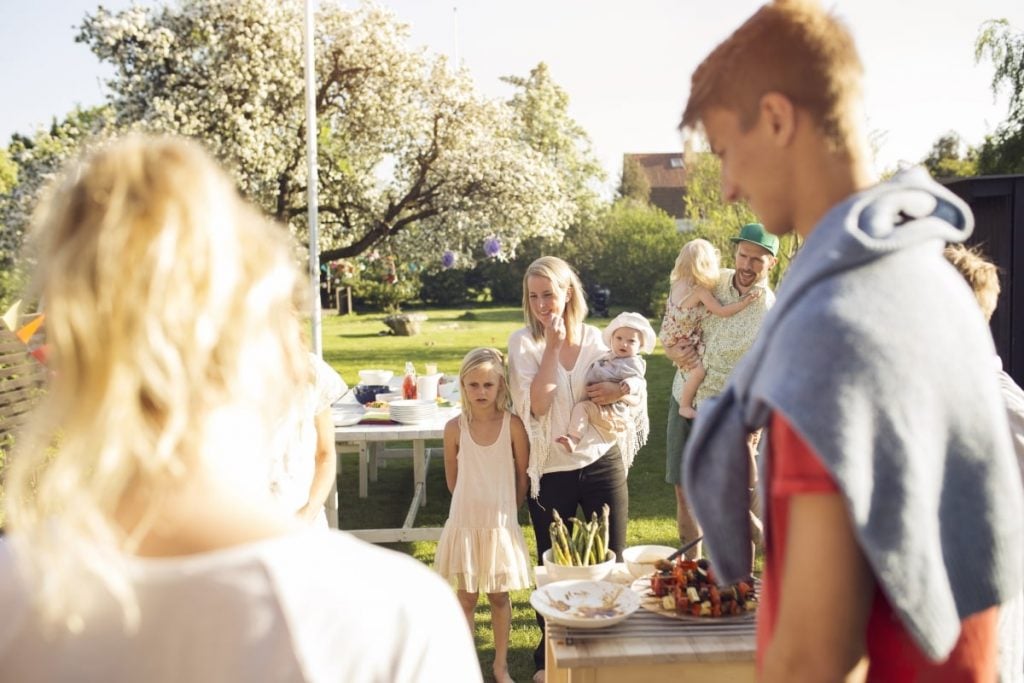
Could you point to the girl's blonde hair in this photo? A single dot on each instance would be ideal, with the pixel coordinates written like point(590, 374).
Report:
point(173, 345)
point(477, 358)
point(566, 281)
point(698, 263)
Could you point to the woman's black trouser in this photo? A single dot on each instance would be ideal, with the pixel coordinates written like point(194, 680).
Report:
point(602, 481)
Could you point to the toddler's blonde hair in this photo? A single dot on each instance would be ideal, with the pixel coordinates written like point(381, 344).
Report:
point(698, 263)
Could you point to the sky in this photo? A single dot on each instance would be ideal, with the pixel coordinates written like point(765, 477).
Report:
point(625, 65)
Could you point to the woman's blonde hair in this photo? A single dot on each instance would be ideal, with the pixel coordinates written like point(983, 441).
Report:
point(483, 357)
point(173, 345)
point(698, 263)
point(564, 279)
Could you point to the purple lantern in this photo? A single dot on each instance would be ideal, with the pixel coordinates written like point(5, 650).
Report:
point(492, 246)
point(448, 259)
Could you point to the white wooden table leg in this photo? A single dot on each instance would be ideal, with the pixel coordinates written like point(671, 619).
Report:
point(375, 448)
point(331, 506)
point(419, 468)
point(363, 458)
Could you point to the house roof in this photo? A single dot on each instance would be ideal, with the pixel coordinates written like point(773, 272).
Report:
point(661, 169)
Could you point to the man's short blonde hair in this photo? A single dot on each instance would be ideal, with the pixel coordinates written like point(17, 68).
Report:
point(794, 48)
point(980, 273)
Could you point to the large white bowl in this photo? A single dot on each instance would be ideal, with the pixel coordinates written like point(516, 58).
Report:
point(375, 376)
point(593, 572)
point(640, 559)
point(344, 415)
point(585, 604)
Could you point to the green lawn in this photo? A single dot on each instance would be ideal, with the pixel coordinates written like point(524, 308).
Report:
point(353, 342)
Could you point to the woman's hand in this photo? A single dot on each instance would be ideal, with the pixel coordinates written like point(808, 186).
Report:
point(554, 332)
point(605, 393)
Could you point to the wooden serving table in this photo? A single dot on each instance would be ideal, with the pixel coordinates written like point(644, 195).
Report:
point(649, 647)
point(367, 438)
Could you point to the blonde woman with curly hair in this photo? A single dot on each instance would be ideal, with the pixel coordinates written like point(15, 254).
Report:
point(143, 541)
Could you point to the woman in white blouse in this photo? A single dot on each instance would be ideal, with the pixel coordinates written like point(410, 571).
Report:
point(548, 361)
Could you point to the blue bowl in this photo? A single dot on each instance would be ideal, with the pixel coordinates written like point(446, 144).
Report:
point(367, 393)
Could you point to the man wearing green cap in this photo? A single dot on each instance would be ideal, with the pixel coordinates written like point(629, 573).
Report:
point(726, 339)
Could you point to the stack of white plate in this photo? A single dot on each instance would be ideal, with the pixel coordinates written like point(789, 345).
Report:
point(412, 411)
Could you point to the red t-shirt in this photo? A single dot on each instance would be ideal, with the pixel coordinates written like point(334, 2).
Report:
point(794, 469)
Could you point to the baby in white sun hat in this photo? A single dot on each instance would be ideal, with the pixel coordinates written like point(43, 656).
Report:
point(627, 336)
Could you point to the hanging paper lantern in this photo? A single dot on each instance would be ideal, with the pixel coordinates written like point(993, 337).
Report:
point(492, 246)
point(448, 259)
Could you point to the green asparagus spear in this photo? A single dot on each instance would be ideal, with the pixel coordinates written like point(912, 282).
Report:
point(600, 549)
point(563, 542)
point(591, 533)
point(605, 523)
point(553, 532)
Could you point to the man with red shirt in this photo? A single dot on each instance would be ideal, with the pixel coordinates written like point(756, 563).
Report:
point(893, 517)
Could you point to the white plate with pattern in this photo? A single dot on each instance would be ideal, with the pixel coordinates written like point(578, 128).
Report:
point(585, 604)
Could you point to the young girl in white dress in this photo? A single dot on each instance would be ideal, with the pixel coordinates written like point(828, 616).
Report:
point(486, 451)
point(690, 301)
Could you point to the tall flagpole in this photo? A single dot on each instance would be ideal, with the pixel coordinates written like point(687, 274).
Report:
point(455, 26)
point(312, 182)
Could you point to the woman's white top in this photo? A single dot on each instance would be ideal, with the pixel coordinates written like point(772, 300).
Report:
point(314, 606)
point(524, 357)
point(291, 474)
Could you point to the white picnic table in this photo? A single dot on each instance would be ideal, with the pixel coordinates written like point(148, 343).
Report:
point(367, 440)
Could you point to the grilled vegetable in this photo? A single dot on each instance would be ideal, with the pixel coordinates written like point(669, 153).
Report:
point(689, 587)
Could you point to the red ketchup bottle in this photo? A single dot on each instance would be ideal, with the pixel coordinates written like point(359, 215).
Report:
point(409, 383)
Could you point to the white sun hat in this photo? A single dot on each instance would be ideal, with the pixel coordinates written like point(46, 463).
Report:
point(636, 322)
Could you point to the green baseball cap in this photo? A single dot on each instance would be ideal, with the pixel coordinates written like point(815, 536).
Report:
point(756, 234)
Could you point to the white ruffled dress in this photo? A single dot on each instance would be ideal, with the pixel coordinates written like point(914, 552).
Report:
point(482, 548)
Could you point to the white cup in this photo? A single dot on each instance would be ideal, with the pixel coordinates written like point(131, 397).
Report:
point(426, 387)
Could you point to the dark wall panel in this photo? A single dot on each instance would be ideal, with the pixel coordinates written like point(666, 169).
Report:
point(998, 206)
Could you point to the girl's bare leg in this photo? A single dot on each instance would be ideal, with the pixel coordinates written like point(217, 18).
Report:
point(690, 386)
point(468, 601)
point(501, 623)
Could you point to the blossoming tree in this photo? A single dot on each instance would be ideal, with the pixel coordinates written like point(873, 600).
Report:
point(410, 157)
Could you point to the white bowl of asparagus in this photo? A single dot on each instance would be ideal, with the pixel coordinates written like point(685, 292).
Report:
point(579, 553)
